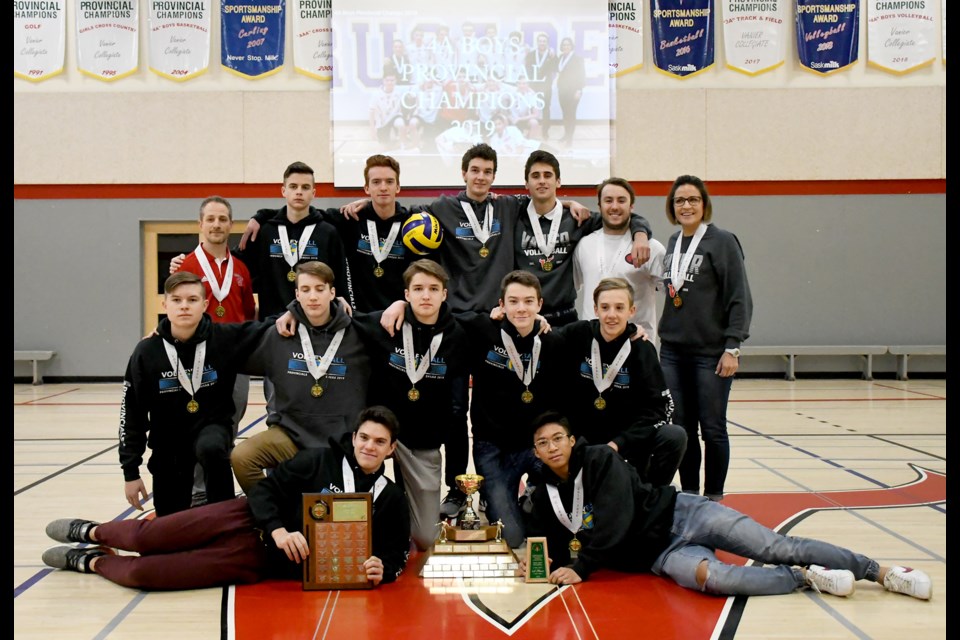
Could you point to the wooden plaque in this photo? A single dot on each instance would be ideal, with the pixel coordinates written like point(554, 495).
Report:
point(338, 529)
point(538, 566)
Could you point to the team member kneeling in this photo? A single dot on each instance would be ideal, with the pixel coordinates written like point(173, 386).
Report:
point(620, 522)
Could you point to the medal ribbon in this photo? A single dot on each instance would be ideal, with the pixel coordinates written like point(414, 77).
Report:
point(558, 509)
point(678, 268)
point(563, 61)
point(350, 484)
point(621, 250)
point(218, 292)
point(192, 384)
point(293, 258)
point(480, 232)
point(416, 372)
point(526, 376)
point(318, 369)
point(546, 245)
point(602, 381)
point(381, 251)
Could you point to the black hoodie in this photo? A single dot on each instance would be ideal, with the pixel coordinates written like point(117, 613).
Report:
point(153, 410)
point(277, 501)
point(425, 422)
point(629, 521)
point(269, 270)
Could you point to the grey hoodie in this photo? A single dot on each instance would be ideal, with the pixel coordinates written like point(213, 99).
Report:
point(312, 421)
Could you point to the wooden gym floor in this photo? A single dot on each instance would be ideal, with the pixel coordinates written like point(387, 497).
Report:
point(858, 463)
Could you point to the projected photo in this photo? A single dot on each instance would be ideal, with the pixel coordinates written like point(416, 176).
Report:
point(423, 87)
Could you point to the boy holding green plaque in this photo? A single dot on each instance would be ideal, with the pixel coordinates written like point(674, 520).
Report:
point(595, 512)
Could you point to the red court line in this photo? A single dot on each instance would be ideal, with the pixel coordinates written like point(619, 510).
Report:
point(54, 395)
point(886, 386)
point(931, 398)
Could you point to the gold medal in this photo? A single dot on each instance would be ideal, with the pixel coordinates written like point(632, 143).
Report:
point(220, 311)
point(292, 276)
point(484, 252)
point(547, 265)
point(193, 406)
point(413, 395)
point(316, 390)
point(527, 396)
point(677, 302)
point(378, 271)
point(600, 403)
point(574, 547)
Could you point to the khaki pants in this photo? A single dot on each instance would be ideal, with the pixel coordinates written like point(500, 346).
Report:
point(263, 451)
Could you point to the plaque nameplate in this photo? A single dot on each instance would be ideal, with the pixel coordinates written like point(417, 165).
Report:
point(338, 529)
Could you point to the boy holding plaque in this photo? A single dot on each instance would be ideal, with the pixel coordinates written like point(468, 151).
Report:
point(178, 400)
point(224, 543)
point(595, 512)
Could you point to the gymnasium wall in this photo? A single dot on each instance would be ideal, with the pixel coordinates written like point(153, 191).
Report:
point(835, 186)
point(838, 269)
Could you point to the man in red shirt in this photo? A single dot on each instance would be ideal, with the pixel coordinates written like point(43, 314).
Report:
point(229, 290)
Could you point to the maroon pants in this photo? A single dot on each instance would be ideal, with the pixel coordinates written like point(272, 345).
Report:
point(207, 546)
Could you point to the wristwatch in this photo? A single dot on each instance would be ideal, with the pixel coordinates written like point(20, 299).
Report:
point(734, 352)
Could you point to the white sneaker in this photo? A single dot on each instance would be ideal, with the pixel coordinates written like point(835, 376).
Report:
point(838, 582)
point(912, 582)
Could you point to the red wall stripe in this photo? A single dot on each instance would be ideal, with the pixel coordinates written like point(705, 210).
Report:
point(325, 190)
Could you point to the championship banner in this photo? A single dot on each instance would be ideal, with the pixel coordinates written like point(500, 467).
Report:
point(252, 37)
point(900, 35)
point(626, 37)
point(313, 38)
point(828, 35)
point(179, 36)
point(754, 35)
point(39, 38)
point(682, 36)
point(423, 85)
point(108, 38)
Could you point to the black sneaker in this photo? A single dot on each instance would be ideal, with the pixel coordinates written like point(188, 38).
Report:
point(453, 503)
point(71, 558)
point(71, 530)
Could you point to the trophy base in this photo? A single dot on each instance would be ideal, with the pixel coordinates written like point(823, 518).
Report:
point(476, 533)
point(471, 554)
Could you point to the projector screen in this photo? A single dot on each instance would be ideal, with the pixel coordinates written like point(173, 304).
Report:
point(422, 86)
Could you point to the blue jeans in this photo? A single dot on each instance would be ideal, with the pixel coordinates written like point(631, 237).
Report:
point(501, 471)
point(700, 406)
point(702, 526)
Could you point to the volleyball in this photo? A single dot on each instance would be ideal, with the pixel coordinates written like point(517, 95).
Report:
point(422, 233)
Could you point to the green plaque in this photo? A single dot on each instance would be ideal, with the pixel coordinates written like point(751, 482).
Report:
point(538, 568)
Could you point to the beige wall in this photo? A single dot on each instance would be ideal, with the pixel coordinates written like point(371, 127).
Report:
point(787, 124)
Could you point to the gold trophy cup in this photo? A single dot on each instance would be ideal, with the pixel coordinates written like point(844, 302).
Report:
point(469, 483)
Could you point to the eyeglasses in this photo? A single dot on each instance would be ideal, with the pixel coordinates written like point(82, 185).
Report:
point(693, 200)
point(557, 440)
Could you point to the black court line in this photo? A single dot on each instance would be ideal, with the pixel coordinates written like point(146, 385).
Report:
point(64, 470)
